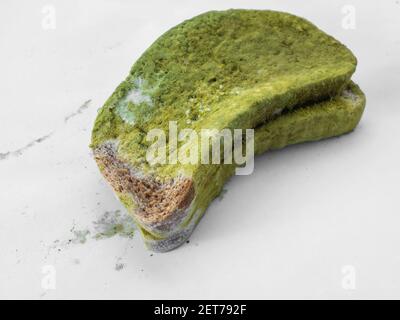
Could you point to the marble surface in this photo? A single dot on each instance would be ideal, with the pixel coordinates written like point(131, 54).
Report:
point(318, 220)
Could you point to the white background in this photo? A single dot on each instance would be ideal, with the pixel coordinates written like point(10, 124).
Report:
point(287, 231)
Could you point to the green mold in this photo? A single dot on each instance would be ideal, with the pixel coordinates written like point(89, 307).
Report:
point(234, 69)
point(229, 69)
point(322, 120)
point(115, 223)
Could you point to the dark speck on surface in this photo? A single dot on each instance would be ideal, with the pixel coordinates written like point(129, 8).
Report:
point(119, 266)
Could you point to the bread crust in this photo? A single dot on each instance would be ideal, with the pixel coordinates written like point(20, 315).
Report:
point(161, 206)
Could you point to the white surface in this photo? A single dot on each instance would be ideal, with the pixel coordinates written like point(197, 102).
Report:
point(284, 232)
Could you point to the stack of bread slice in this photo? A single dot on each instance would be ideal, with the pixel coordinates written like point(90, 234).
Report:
point(238, 69)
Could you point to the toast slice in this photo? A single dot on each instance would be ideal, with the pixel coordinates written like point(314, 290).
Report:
point(322, 120)
point(235, 69)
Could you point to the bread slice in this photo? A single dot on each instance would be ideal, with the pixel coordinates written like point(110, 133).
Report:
point(310, 123)
point(232, 69)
